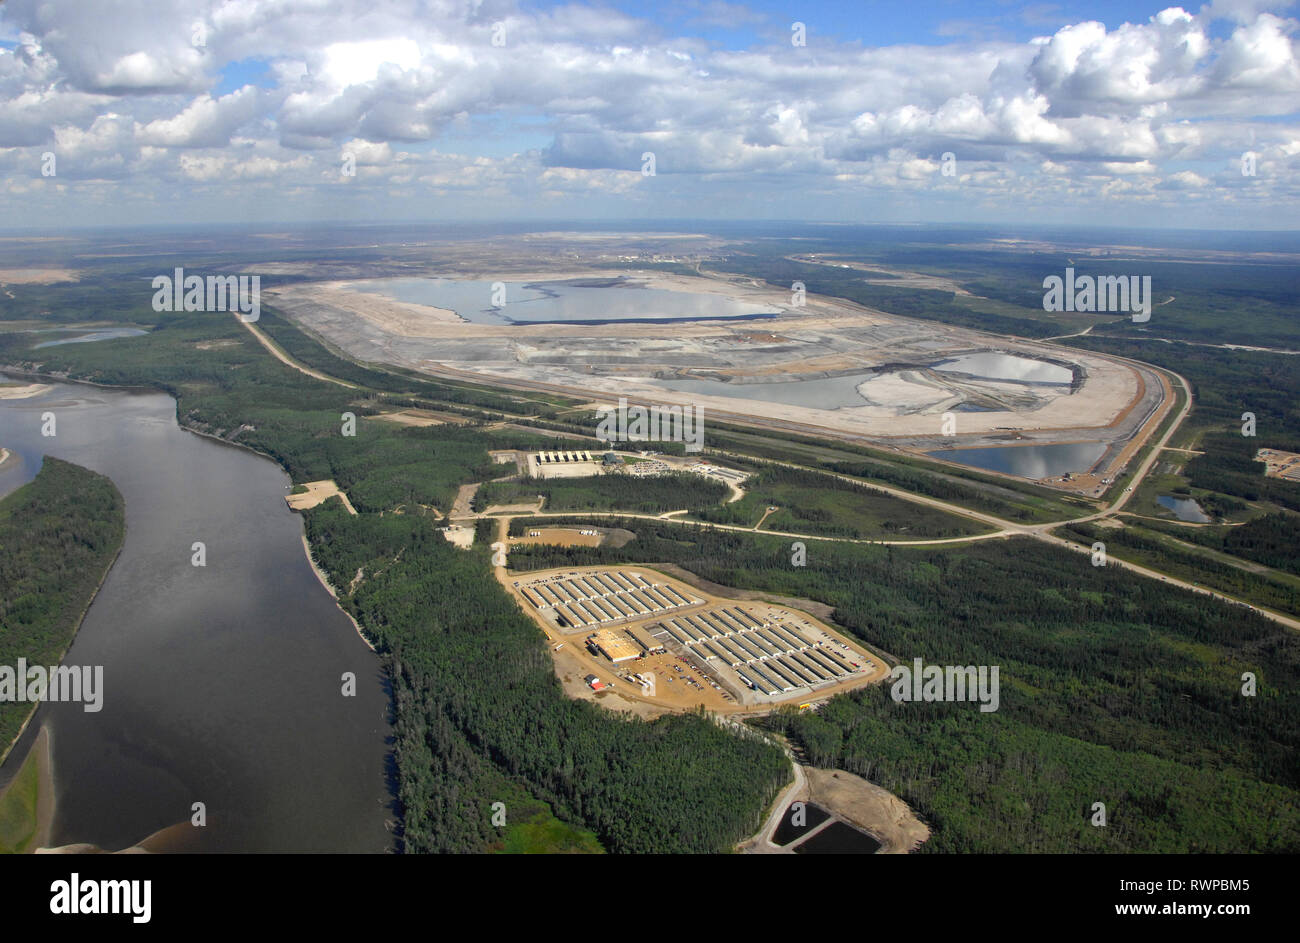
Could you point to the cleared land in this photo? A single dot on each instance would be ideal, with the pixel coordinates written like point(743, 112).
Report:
point(317, 491)
point(670, 645)
point(889, 357)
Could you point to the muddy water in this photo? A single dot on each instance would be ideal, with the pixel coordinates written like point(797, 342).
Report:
point(221, 683)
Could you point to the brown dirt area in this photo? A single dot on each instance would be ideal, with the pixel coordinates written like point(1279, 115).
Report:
point(317, 491)
point(678, 694)
point(869, 807)
point(571, 537)
point(419, 418)
point(37, 276)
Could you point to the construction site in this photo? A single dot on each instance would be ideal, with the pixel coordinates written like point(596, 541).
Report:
point(654, 638)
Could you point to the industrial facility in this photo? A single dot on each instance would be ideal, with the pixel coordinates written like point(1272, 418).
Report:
point(769, 655)
point(580, 600)
point(706, 649)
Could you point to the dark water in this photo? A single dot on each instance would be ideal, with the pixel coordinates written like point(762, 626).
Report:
point(839, 839)
point(1029, 461)
point(221, 683)
point(787, 831)
point(1185, 509)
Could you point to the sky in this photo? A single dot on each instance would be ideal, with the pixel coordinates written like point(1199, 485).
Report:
point(260, 111)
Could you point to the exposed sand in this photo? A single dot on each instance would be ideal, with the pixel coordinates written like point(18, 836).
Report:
point(825, 337)
point(23, 391)
point(317, 492)
point(37, 276)
point(561, 537)
point(869, 807)
point(677, 695)
point(410, 417)
point(357, 296)
point(329, 588)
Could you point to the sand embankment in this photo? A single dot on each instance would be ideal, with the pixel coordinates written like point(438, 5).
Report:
point(329, 588)
point(23, 390)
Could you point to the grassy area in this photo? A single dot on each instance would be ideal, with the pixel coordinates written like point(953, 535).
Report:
point(812, 503)
point(1014, 501)
point(18, 809)
point(607, 492)
point(531, 829)
point(1144, 546)
point(1272, 540)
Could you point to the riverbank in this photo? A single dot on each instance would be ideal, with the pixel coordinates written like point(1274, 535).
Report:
point(329, 588)
point(22, 390)
point(49, 480)
point(27, 803)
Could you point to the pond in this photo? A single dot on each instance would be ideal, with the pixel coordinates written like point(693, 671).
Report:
point(1185, 509)
point(993, 365)
point(599, 301)
point(1029, 461)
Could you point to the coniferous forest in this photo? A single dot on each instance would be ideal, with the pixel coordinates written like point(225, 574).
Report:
point(59, 534)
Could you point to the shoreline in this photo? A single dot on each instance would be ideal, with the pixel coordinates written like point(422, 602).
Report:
point(75, 632)
point(329, 588)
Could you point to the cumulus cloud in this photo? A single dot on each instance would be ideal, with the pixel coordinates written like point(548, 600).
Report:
point(541, 104)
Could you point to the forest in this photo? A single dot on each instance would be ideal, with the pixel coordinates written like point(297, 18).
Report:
point(477, 699)
point(1273, 540)
point(651, 495)
point(1115, 688)
point(813, 503)
point(59, 534)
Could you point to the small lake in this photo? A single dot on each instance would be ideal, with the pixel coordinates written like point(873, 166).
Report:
point(844, 392)
point(992, 365)
point(222, 684)
point(90, 338)
point(1185, 509)
point(594, 301)
point(820, 393)
point(1029, 461)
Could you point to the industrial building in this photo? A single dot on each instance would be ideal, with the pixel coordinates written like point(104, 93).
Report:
point(770, 656)
point(616, 646)
point(558, 458)
point(581, 600)
point(747, 652)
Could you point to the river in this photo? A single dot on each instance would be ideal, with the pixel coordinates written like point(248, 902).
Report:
point(222, 683)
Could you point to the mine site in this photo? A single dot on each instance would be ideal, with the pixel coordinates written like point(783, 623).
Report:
point(743, 351)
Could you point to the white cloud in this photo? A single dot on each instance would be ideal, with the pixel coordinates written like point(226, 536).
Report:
point(1091, 111)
